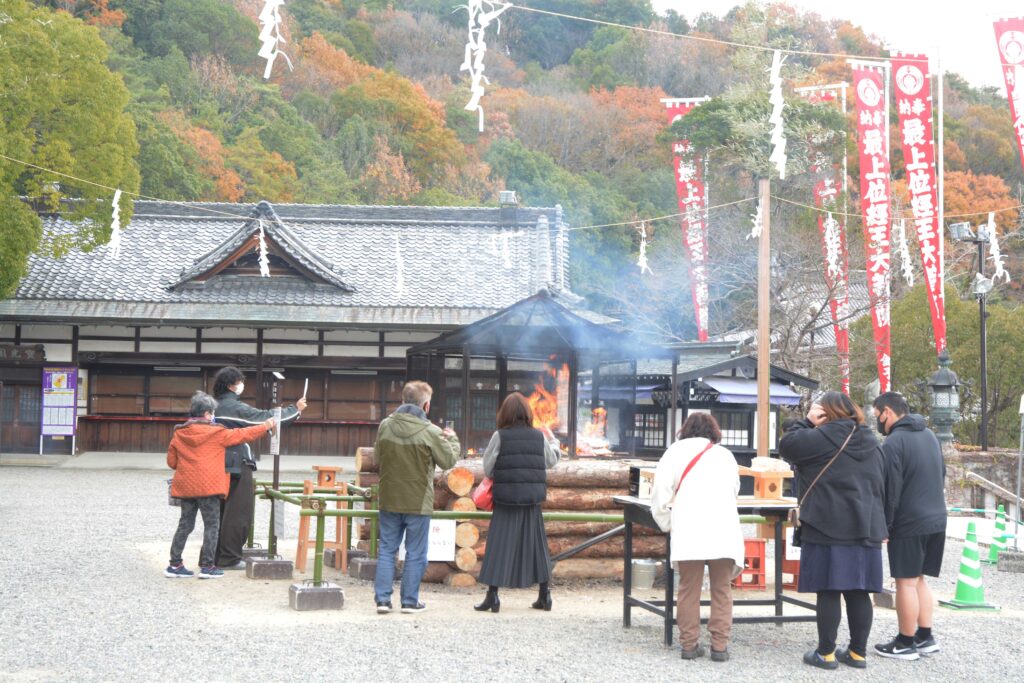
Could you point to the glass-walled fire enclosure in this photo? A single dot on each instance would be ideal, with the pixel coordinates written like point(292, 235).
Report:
point(579, 376)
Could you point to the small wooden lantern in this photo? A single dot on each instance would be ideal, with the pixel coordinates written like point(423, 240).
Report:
point(767, 485)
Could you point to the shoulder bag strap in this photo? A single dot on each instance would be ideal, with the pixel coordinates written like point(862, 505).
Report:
point(838, 453)
point(690, 467)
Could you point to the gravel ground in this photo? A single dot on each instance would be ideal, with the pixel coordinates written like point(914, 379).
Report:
point(82, 597)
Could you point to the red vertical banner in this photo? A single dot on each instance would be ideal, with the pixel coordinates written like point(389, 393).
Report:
point(1010, 40)
point(833, 240)
point(872, 144)
point(914, 106)
point(693, 205)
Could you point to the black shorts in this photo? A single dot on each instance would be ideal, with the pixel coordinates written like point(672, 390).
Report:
point(916, 555)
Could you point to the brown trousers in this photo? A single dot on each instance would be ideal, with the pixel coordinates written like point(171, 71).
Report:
point(691, 576)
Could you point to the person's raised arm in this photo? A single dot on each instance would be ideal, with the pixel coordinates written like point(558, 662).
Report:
point(445, 447)
point(234, 437)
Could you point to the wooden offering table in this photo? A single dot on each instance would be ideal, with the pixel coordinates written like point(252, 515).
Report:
point(638, 511)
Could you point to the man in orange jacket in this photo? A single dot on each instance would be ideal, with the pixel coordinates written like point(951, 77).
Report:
point(196, 454)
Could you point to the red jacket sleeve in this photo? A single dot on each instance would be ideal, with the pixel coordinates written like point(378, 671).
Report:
point(172, 455)
point(234, 437)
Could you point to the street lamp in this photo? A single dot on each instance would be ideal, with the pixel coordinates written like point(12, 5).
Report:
point(945, 399)
point(961, 232)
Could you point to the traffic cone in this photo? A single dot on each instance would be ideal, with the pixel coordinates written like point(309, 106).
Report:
point(998, 537)
point(969, 592)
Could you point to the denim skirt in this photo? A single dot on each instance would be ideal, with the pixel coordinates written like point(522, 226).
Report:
point(840, 568)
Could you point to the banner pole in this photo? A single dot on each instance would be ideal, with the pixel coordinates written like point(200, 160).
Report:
point(764, 341)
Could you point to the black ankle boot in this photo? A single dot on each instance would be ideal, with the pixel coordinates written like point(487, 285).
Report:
point(543, 598)
point(491, 601)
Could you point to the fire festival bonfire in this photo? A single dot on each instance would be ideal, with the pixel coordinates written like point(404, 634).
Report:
point(546, 409)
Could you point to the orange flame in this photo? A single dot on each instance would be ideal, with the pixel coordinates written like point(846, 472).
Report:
point(544, 403)
point(598, 423)
point(471, 451)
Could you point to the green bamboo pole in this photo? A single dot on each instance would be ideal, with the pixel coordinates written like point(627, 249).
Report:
point(548, 516)
point(318, 557)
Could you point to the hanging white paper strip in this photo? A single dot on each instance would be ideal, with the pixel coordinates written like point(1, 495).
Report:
point(778, 156)
point(264, 257)
point(641, 260)
point(906, 267)
point(758, 220)
point(476, 48)
point(115, 228)
point(270, 35)
point(833, 245)
point(993, 251)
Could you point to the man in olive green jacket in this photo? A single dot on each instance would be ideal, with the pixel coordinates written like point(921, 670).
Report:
point(408, 447)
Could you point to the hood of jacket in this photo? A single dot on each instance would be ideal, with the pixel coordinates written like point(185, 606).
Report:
point(195, 433)
point(910, 421)
point(407, 424)
point(862, 444)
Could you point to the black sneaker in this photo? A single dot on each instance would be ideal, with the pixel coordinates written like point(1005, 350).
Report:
point(814, 659)
point(927, 646)
point(719, 655)
point(414, 609)
point(178, 571)
point(697, 652)
point(851, 659)
point(896, 650)
point(384, 607)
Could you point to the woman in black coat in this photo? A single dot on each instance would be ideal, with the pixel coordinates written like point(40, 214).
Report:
point(842, 521)
point(517, 459)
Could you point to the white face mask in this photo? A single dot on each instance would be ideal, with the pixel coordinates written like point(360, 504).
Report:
point(240, 388)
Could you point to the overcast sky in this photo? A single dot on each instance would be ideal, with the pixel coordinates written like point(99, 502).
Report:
point(964, 30)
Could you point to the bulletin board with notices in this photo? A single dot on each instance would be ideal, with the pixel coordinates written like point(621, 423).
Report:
point(59, 405)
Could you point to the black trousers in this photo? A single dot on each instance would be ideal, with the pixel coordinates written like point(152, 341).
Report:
point(859, 614)
point(235, 518)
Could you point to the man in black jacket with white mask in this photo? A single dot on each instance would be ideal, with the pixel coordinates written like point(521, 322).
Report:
point(915, 513)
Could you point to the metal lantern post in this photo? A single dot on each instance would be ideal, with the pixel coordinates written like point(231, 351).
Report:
point(945, 399)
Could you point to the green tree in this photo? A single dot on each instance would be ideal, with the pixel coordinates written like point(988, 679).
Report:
point(64, 110)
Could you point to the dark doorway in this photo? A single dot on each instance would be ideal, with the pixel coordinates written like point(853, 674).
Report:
point(19, 417)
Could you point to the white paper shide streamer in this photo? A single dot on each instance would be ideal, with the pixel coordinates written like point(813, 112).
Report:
point(270, 35)
point(641, 260)
point(833, 241)
point(476, 47)
point(994, 253)
point(115, 228)
point(758, 221)
point(906, 267)
point(778, 157)
point(264, 256)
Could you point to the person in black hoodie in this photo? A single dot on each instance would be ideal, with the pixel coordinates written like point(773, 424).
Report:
point(915, 514)
point(236, 510)
point(841, 479)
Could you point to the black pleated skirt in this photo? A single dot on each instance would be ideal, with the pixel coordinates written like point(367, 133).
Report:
point(517, 548)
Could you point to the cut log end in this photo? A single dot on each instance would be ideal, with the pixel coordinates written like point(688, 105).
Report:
point(462, 505)
point(460, 580)
point(466, 535)
point(460, 480)
point(465, 559)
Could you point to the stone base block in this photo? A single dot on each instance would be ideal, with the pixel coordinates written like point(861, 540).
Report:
point(1010, 561)
point(262, 568)
point(253, 552)
point(886, 599)
point(307, 597)
point(352, 554)
point(363, 568)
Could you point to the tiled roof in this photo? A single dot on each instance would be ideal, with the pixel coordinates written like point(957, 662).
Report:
point(385, 265)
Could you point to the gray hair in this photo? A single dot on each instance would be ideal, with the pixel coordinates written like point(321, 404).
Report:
point(202, 403)
point(417, 393)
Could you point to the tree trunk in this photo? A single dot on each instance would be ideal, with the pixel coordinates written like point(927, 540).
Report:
point(589, 568)
point(466, 535)
point(365, 460)
point(572, 473)
point(366, 479)
point(462, 505)
point(465, 559)
point(643, 546)
point(459, 480)
point(580, 499)
point(460, 580)
point(436, 572)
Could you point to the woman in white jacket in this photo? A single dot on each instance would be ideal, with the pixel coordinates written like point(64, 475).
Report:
point(694, 497)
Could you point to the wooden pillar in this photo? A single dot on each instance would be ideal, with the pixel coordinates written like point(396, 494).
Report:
point(464, 432)
point(502, 378)
point(574, 362)
point(17, 335)
point(764, 350)
point(320, 344)
point(138, 339)
point(675, 399)
point(632, 416)
point(199, 340)
point(595, 386)
point(380, 344)
point(74, 345)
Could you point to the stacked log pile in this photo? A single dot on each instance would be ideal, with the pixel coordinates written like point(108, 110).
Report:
point(580, 486)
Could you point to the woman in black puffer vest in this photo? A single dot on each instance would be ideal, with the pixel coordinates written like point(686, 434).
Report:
point(842, 521)
point(516, 460)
